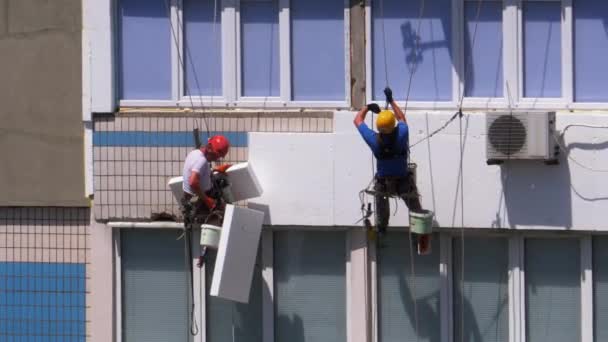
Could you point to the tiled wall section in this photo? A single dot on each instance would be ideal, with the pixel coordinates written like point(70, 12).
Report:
point(44, 254)
point(135, 154)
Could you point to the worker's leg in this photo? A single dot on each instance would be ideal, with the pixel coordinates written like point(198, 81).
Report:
point(411, 197)
point(382, 207)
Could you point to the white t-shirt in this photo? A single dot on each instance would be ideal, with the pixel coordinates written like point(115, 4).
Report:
point(196, 161)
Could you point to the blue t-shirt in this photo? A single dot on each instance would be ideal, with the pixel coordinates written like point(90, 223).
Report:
point(397, 165)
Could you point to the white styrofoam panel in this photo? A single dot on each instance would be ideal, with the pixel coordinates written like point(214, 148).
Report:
point(350, 177)
point(243, 182)
point(296, 172)
point(518, 194)
point(176, 186)
point(237, 253)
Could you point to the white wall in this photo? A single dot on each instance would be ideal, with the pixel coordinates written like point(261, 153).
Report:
point(314, 179)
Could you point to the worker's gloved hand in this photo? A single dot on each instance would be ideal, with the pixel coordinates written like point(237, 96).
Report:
point(222, 168)
point(373, 107)
point(389, 95)
point(210, 202)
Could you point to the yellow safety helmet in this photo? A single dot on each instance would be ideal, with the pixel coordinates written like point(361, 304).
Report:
point(386, 121)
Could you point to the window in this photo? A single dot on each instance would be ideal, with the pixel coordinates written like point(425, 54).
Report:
point(553, 290)
point(542, 48)
point(398, 290)
point(154, 293)
point(246, 53)
point(483, 47)
point(317, 45)
point(528, 54)
point(260, 48)
point(202, 55)
point(395, 31)
point(154, 286)
point(590, 50)
point(482, 297)
point(231, 321)
point(310, 286)
point(145, 50)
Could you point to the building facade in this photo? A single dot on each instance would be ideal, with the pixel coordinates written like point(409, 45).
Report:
point(518, 250)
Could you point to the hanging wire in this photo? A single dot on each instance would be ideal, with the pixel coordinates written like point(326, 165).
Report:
point(175, 33)
point(461, 178)
point(416, 48)
point(462, 244)
point(559, 143)
point(460, 101)
point(470, 60)
point(386, 81)
point(215, 44)
point(194, 330)
point(413, 285)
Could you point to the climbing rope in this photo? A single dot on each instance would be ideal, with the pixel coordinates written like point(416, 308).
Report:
point(175, 34)
point(188, 226)
point(416, 47)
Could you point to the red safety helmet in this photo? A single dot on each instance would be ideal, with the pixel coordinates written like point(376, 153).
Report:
point(218, 145)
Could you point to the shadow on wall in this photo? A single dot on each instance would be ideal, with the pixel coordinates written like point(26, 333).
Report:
point(536, 194)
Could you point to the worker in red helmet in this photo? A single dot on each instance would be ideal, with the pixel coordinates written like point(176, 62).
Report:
point(197, 178)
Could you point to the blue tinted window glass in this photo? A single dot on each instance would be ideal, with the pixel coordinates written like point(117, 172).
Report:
point(590, 50)
point(260, 48)
point(542, 49)
point(317, 50)
point(145, 50)
point(202, 48)
point(483, 60)
point(431, 63)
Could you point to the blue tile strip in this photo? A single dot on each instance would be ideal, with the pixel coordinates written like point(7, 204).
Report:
point(42, 301)
point(161, 139)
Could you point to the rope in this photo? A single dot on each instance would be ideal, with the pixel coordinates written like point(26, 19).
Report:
point(462, 244)
point(464, 74)
point(416, 47)
point(190, 288)
point(461, 178)
point(215, 40)
point(413, 285)
point(384, 43)
point(180, 58)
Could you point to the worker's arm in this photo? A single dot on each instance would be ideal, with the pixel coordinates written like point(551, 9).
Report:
point(195, 185)
point(398, 112)
point(360, 117)
point(399, 115)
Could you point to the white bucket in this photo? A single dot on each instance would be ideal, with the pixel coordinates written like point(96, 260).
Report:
point(210, 235)
point(421, 222)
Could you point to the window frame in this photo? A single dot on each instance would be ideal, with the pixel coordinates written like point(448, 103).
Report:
point(267, 259)
point(361, 264)
point(567, 59)
point(513, 78)
point(198, 273)
point(516, 280)
point(231, 64)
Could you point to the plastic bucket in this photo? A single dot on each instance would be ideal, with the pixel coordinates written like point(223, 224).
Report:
point(421, 222)
point(210, 235)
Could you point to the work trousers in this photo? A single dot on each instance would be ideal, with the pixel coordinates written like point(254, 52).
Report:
point(403, 187)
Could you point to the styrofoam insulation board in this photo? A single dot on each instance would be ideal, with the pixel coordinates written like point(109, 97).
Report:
point(237, 253)
point(176, 186)
point(243, 182)
point(296, 172)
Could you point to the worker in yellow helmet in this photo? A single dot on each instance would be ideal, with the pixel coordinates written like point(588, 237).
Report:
point(390, 148)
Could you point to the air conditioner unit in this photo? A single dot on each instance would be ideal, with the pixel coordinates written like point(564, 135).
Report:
point(527, 135)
